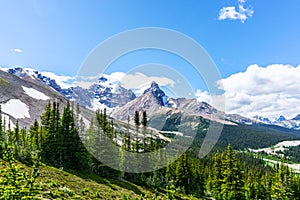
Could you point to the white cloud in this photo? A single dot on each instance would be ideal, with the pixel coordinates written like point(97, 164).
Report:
point(233, 13)
point(268, 91)
point(139, 81)
point(16, 50)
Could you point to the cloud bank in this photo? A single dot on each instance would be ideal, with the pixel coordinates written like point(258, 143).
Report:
point(233, 13)
point(268, 91)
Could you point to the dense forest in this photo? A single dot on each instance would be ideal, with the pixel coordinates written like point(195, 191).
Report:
point(58, 141)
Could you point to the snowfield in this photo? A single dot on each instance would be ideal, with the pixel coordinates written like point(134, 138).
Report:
point(97, 105)
point(281, 146)
point(35, 94)
point(16, 108)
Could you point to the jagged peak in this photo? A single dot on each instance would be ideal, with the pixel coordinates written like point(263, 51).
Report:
point(297, 117)
point(281, 118)
point(154, 85)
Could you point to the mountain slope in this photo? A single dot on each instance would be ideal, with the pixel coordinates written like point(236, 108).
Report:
point(24, 100)
point(59, 184)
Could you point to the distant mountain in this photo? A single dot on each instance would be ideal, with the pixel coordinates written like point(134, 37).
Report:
point(260, 119)
point(280, 118)
point(280, 121)
point(105, 93)
point(297, 117)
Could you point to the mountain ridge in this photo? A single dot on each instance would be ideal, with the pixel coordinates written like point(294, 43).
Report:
point(106, 93)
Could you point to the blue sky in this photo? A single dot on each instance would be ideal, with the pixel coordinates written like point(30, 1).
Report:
point(58, 36)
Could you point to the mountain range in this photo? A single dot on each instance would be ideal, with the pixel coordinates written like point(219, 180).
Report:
point(107, 93)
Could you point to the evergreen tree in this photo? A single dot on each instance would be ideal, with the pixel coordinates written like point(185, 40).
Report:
point(144, 122)
point(216, 179)
point(184, 173)
point(137, 124)
point(35, 135)
point(281, 187)
point(232, 186)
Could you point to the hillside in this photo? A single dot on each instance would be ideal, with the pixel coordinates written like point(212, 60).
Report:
point(55, 183)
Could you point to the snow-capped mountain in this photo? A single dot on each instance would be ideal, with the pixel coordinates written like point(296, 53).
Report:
point(261, 119)
point(24, 100)
point(281, 121)
point(105, 93)
point(61, 84)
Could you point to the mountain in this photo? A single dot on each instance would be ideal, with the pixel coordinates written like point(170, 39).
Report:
point(280, 121)
point(105, 93)
point(297, 117)
point(280, 118)
point(152, 101)
point(156, 103)
point(260, 119)
point(24, 100)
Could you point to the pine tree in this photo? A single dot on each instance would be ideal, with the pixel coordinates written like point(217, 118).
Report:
point(232, 187)
point(216, 179)
point(184, 173)
point(144, 122)
point(281, 187)
point(35, 136)
point(128, 138)
point(137, 124)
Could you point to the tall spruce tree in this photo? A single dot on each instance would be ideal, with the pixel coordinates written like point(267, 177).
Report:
point(144, 122)
point(137, 124)
point(281, 187)
point(216, 178)
point(233, 185)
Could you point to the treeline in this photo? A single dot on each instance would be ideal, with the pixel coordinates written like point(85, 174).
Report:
point(59, 140)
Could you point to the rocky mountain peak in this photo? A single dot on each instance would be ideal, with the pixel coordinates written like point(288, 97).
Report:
point(297, 117)
point(157, 93)
point(280, 118)
point(154, 85)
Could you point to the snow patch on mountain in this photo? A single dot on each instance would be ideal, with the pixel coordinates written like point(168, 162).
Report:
point(35, 94)
point(64, 82)
point(16, 108)
point(95, 105)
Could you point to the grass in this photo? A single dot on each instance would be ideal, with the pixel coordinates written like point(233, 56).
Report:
point(58, 184)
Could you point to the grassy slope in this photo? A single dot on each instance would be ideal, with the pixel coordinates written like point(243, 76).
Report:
point(59, 184)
